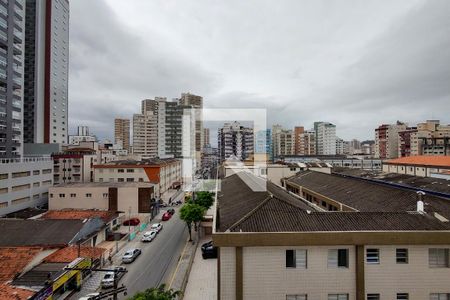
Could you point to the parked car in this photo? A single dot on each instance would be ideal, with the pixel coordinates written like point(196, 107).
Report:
point(89, 296)
point(131, 255)
point(166, 216)
point(149, 236)
point(209, 250)
point(171, 211)
point(108, 279)
point(156, 227)
point(132, 222)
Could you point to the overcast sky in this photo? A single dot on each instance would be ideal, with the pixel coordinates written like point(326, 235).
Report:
point(353, 63)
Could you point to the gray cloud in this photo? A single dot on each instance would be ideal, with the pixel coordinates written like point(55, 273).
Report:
point(357, 64)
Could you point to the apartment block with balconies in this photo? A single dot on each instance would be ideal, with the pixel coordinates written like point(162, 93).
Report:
point(12, 27)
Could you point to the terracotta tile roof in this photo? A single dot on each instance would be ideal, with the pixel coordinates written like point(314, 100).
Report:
point(69, 254)
point(14, 259)
point(422, 160)
point(8, 292)
point(72, 214)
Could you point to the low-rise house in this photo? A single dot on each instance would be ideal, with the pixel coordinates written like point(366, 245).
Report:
point(275, 247)
point(165, 173)
point(128, 197)
point(51, 233)
point(422, 165)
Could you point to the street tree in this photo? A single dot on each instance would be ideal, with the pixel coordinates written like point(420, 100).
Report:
point(192, 214)
point(205, 199)
point(159, 293)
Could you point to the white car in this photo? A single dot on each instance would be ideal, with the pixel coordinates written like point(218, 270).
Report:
point(149, 236)
point(89, 296)
point(108, 280)
point(131, 255)
point(156, 227)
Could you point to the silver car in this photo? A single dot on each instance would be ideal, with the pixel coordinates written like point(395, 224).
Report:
point(156, 227)
point(131, 255)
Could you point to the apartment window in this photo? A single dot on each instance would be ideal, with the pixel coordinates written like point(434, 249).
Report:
point(36, 172)
point(141, 179)
point(121, 170)
point(438, 258)
point(130, 170)
point(373, 296)
point(373, 256)
point(100, 180)
point(337, 296)
point(20, 174)
point(62, 195)
point(4, 176)
point(120, 179)
point(20, 187)
point(88, 195)
point(297, 297)
point(296, 259)
point(439, 296)
point(403, 296)
point(51, 195)
point(105, 195)
point(402, 256)
point(338, 258)
point(20, 200)
point(130, 179)
point(36, 184)
point(73, 195)
point(46, 171)
point(4, 190)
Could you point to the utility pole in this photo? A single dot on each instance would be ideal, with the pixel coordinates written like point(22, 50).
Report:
point(129, 223)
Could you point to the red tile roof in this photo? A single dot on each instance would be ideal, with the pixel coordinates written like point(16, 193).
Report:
point(8, 292)
point(14, 259)
point(72, 214)
point(69, 254)
point(422, 160)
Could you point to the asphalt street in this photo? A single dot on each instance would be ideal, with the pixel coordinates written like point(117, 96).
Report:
point(159, 258)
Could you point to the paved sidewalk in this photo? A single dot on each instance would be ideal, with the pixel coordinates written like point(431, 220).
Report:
point(202, 282)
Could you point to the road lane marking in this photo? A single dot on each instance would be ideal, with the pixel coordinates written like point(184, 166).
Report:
point(178, 265)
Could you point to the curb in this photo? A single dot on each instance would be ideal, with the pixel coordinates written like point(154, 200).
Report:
point(188, 271)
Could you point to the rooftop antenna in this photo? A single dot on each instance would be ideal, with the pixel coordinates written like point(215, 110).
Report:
point(420, 203)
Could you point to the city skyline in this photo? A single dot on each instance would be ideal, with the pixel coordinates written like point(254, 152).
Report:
point(346, 74)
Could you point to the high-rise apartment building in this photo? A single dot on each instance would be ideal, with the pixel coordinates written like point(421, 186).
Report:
point(206, 137)
point(235, 140)
point(195, 102)
point(282, 141)
point(46, 71)
point(145, 134)
point(404, 141)
point(122, 132)
point(386, 140)
point(263, 142)
point(307, 142)
point(298, 130)
point(325, 138)
point(431, 138)
point(342, 147)
point(12, 40)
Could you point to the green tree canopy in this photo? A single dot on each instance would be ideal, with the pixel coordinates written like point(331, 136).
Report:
point(191, 213)
point(159, 293)
point(205, 199)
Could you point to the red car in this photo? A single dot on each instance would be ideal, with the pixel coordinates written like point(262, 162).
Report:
point(132, 222)
point(166, 216)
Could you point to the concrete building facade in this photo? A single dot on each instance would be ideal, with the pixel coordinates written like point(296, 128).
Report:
point(282, 141)
point(12, 40)
point(166, 173)
point(46, 71)
point(325, 138)
point(298, 131)
point(104, 196)
point(431, 138)
point(122, 133)
point(24, 183)
point(235, 140)
point(386, 140)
